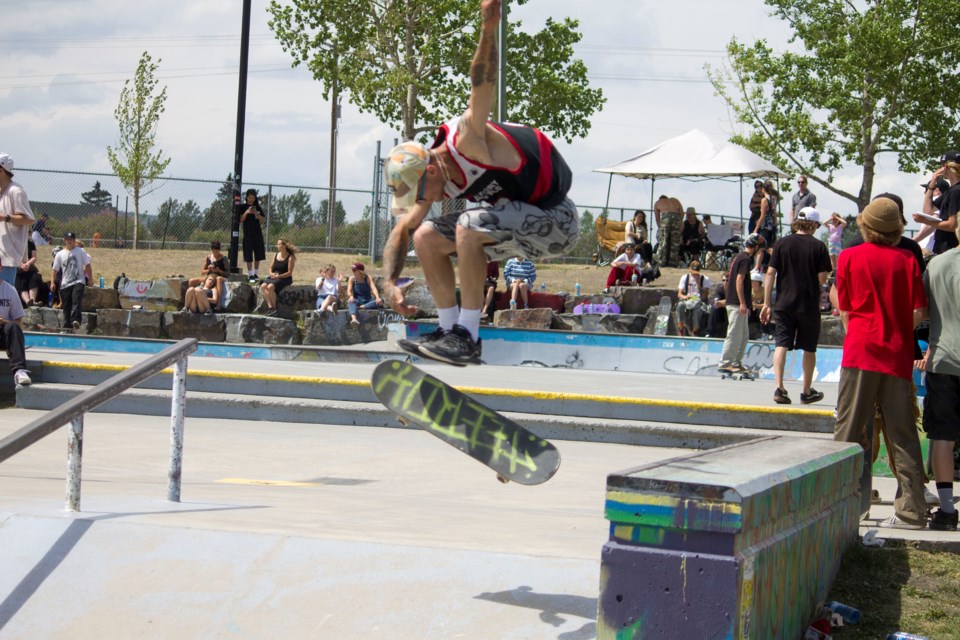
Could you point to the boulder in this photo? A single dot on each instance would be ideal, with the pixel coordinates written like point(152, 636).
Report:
point(637, 300)
point(95, 298)
point(179, 325)
point(538, 300)
point(152, 295)
point(541, 318)
point(604, 323)
point(415, 292)
point(831, 331)
point(42, 319)
point(652, 321)
point(334, 329)
point(88, 323)
point(239, 297)
point(245, 328)
point(295, 298)
point(130, 324)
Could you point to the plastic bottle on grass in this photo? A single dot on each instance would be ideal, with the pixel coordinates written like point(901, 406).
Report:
point(576, 288)
point(513, 305)
point(848, 613)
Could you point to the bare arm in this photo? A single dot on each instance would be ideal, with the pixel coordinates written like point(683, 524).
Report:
point(767, 311)
point(741, 293)
point(483, 72)
point(395, 256)
point(919, 315)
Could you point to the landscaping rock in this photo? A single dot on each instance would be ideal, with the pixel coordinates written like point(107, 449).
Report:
point(415, 293)
point(332, 329)
point(637, 300)
point(238, 297)
point(524, 318)
point(831, 331)
point(652, 321)
point(130, 324)
point(42, 319)
point(95, 298)
point(152, 295)
point(245, 328)
point(178, 325)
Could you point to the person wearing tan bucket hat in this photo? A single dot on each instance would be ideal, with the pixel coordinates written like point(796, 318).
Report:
point(881, 300)
point(517, 184)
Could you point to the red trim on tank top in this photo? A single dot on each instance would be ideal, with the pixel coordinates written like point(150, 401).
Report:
point(545, 175)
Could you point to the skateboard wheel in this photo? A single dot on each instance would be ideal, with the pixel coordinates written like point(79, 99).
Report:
point(503, 479)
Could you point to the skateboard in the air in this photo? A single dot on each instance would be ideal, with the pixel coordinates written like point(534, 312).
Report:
point(459, 420)
point(663, 317)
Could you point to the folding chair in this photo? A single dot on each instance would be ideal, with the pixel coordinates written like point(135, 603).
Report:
point(610, 234)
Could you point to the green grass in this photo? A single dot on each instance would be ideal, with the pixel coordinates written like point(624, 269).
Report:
point(901, 588)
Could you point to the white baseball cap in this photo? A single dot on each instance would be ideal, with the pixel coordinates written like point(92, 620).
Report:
point(402, 170)
point(6, 162)
point(810, 214)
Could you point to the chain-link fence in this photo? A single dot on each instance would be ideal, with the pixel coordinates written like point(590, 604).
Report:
point(185, 213)
point(182, 213)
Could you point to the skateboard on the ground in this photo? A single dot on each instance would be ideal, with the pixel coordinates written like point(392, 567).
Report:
point(459, 420)
point(736, 375)
point(663, 317)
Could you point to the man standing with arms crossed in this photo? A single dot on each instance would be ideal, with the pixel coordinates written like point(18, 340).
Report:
point(800, 264)
point(518, 180)
point(16, 219)
point(802, 199)
point(668, 213)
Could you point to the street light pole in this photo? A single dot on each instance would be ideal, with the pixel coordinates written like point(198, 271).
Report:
point(502, 71)
point(238, 148)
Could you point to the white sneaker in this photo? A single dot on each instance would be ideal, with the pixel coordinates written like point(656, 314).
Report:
point(930, 498)
point(22, 378)
point(893, 522)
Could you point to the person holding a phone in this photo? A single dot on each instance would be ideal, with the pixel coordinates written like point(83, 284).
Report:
point(945, 230)
point(254, 250)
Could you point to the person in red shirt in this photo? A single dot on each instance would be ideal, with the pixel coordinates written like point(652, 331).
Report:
point(881, 300)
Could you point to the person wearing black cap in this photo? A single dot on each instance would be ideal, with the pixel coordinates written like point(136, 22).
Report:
point(944, 237)
point(739, 302)
point(73, 265)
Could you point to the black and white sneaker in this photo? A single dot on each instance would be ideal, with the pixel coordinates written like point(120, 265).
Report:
point(454, 347)
point(810, 398)
point(413, 346)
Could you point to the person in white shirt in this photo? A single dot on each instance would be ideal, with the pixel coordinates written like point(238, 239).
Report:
point(625, 266)
point(328, 289)
point(73, 263)
point(11, 332)
point(692, 308)
point(16, 220)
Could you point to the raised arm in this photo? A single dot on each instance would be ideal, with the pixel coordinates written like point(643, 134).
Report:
point(483, 72)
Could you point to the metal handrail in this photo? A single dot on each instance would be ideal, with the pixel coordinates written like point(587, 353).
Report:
point(73, 411)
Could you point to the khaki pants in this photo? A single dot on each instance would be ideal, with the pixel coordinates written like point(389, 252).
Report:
point(859, 394)
point(738, 333)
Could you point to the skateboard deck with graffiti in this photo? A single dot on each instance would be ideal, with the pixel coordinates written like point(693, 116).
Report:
point(462, 422)
point(663, 317)
point(736, 375)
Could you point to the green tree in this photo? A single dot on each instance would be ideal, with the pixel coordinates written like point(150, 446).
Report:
point(97, 197)
point(339, 216)
point(138, 114)
point(407, 62)
point(862, 79)
point(587, 225)
point(291, 209)
point(219, 215)
point(175, 220)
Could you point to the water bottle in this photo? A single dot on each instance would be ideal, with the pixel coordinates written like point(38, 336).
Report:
point(102, 282)
point(633, 279)
point(849, 614)
point(50, 299)
point(513, 304)
point(903, 635)
point(543, 287)
point(576, 288)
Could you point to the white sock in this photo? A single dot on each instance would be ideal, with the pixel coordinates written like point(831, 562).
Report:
point(448, 317)
point(470, 320)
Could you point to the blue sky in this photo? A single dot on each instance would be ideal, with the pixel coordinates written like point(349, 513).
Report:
point(65, 63)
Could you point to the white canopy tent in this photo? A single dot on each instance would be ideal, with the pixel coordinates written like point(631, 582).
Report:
point(693, 155)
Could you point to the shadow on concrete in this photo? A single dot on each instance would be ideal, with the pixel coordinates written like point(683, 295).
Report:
point(553, 607)
point(59, 551)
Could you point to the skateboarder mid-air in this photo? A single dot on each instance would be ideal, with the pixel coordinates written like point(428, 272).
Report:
point(518, 182)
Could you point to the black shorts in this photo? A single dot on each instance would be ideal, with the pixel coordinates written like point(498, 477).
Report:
point(797, 330)
point(279, 284)
point(253, 249)
point(941, 406)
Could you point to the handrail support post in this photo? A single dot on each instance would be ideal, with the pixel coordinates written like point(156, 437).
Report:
point(74, 462)
point(177, 410)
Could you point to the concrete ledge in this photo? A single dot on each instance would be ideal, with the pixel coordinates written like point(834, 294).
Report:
point(736, 542)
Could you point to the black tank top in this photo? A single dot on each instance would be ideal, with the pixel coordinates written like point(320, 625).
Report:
point(279, 266)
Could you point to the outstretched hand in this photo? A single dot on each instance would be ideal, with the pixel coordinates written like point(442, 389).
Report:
point(490, 11)
point(394, 297)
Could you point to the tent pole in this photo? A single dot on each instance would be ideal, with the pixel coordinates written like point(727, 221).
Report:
point(742, 234)
point(606, 207)
point(652, 219)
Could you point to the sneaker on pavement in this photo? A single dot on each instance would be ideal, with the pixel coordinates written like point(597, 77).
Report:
point(941, 521)
point(454, 347)
point(780, 397)
point(413, 346)
point(895, 522)
point(810, 398)
point(726, 368)
point(22, 379)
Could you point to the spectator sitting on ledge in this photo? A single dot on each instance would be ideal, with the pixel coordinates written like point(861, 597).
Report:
point(11, 333)
point(204, 298)
point(214, 264)
point(520, 275)
point(625, 266)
